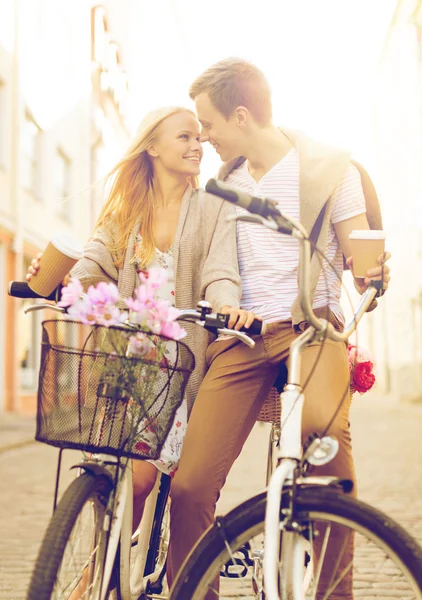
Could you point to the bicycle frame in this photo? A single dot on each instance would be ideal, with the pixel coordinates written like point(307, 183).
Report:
point(132, 582)
point(289, 453)
point(118, 523)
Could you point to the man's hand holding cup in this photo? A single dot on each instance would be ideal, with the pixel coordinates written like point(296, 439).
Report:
point(368, 259)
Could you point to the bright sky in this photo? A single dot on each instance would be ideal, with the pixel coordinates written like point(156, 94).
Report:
point(318, 56)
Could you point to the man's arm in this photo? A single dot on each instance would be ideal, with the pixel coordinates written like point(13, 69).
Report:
point(342, 231)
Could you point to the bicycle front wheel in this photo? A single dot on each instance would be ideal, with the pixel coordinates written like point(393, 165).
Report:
point(71, 559)
point(387, 561)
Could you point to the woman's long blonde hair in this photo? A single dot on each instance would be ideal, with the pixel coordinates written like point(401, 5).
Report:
point(132, 192)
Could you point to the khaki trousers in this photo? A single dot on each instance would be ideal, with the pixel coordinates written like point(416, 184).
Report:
point(229, 400)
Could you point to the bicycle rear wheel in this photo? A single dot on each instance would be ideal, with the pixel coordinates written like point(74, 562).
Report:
point(73, 549)
point(387, 560)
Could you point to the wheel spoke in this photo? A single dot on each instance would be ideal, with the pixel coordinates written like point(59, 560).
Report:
point(321, 560)
point(349, 556)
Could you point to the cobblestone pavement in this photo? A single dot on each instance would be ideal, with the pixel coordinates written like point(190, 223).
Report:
point(387, 447)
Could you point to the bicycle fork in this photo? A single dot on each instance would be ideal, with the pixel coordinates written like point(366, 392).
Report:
point(292, 552)
point(289, 455)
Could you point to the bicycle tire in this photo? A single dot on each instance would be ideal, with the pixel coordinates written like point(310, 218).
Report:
point(210, 554)
point(87, 488)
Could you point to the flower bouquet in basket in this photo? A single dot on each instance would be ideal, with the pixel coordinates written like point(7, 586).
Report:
point(124, 361)
point(361, 367)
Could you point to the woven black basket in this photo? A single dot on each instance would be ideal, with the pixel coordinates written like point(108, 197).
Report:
point(93, 395)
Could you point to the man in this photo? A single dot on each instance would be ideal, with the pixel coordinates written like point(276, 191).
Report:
point(319, 186)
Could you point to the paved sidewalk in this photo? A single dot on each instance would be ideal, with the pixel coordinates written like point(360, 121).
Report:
point(386, 442)
point(16, 431)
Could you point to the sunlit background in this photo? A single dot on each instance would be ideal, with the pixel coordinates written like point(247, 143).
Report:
point(77, 77)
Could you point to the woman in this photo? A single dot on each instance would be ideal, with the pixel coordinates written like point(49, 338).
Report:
point(155, 215)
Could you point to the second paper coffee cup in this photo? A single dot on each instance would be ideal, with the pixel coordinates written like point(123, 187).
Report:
point(366, 245)
point(62, 253)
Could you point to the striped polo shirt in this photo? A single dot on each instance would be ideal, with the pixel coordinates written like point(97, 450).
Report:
point(268, 261)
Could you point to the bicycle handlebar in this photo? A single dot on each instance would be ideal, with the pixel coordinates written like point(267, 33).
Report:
point(21, 289)
point(274, 219)
point(203, 316)
point(265, 207)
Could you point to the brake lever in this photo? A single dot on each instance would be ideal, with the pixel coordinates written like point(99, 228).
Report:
point(243, 337)
point(35, 307)
point(378, 284)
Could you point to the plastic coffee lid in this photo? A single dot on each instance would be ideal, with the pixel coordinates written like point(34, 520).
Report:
point(68, 245)
point(367, 234)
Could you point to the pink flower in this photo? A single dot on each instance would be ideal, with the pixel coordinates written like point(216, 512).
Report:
point(143, 301)
point(71, 292)
point(103, 293)
point(107, 315)
point(139, 344)
point(173, 331)
point(357, 355)
point(154, 278)
point(82, 310)
point(99, 306)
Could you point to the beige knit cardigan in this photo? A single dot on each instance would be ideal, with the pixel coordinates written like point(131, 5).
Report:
point(205, 266)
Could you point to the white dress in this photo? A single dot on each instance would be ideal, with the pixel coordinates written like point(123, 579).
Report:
point(170, 453)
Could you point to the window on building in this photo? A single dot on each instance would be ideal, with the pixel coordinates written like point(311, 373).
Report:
point(99, 34)
point(3, 125)
point(31, 159)
point(62, 184)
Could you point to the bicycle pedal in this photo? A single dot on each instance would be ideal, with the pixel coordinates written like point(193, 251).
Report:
point(237, 568)
point(154, 588)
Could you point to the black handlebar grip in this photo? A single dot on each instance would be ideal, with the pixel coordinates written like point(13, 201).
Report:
point(253, 204)
point(265, 207)
point(21, 289)
point(254, 329)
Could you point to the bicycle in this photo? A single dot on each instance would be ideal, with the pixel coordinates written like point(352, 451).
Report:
point(266, 542)
point(89, 538)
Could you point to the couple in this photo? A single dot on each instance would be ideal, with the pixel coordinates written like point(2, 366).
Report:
point(155, 215)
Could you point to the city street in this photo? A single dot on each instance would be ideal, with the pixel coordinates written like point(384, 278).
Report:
point(389, 464)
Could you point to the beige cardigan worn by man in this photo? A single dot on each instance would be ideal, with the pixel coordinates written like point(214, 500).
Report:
point(205, 266)
point(321, 170)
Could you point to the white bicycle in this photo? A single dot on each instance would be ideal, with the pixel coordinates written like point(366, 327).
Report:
point(88, 550)
point(274, 544)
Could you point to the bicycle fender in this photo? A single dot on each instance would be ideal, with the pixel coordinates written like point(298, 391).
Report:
point(94, 469)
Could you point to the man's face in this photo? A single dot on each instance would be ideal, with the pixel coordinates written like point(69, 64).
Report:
point(224, 135)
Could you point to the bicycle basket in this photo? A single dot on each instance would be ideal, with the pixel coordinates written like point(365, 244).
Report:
point(96, 397)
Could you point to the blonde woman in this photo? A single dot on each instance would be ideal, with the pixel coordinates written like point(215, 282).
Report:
point(156, 215)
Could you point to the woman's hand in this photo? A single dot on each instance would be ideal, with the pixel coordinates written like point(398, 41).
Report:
point(377, 273)
point(239, 317)
point(33, 267)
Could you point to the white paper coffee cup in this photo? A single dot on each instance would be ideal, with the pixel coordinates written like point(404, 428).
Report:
point(366, 246)
point(61, 254)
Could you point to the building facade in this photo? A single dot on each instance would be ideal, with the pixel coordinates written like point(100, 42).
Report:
point(63, 122)
point(394, 330)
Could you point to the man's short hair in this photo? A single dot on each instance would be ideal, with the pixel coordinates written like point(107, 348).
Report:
point(234, 82)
